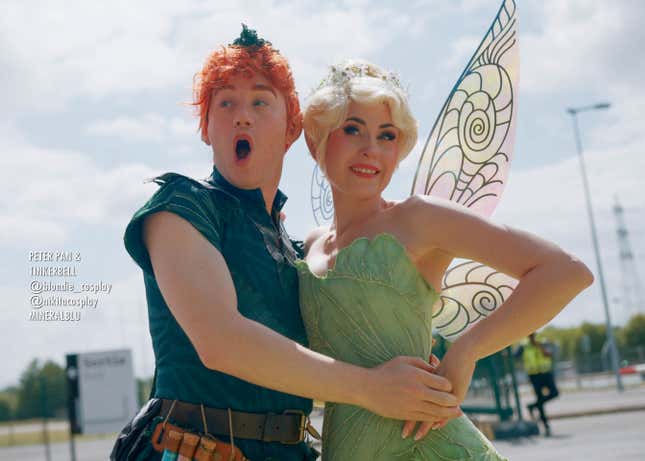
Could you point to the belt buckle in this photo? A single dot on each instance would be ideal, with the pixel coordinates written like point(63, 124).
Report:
point(301, 427)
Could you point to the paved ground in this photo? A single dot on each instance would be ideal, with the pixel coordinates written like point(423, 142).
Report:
point(617, 436)
point(578, 403)
point(614, 428)
point(95, 450)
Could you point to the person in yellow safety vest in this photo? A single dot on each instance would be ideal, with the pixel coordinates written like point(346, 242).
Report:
point(538, 364)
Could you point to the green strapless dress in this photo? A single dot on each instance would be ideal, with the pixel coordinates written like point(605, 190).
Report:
point(371, 307)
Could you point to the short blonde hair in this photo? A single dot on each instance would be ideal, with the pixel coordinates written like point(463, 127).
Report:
point(364, 83)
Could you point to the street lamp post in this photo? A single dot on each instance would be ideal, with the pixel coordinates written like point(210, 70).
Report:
point(613, 350)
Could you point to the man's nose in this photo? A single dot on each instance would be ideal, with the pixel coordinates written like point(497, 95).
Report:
point(243, 118)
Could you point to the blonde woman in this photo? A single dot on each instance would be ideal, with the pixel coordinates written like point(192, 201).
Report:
point(370, 279)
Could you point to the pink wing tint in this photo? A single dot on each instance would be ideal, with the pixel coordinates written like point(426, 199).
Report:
point(468, 153)
point(466, 160)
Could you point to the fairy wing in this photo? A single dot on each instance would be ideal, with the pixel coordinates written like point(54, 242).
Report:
point(466, 159)
point(322, 201)
point(467, 155)
point(470, 292)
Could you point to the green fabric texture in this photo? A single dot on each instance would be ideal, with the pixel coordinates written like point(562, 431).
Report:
point(260, 258)
point(371, 307)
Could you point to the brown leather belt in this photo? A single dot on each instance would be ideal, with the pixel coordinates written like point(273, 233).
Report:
point(288, 427)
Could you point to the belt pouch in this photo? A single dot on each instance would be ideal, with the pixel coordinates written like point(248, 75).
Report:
point(188, 447)
point(206, 449)
point(171, 451)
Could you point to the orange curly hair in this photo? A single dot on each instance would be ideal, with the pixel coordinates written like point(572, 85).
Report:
point(233, 60)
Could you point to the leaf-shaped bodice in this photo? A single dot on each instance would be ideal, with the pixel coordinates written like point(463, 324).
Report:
point(371, 307)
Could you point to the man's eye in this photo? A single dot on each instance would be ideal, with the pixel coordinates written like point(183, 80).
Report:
point(388, 136)
point(225, 103)
point(351, 130)
point(260, 102)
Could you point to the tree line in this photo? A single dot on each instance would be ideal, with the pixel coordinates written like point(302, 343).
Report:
point(585, 342)
point(41, 390)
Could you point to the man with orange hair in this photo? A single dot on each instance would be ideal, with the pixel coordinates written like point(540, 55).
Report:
point(222, 291)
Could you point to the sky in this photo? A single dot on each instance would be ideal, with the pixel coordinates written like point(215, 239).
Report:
point(95, 98)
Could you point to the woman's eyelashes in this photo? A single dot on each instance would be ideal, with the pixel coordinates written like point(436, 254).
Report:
point(353, 130)
point(387, 136)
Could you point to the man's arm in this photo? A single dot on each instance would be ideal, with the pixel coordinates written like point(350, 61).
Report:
point(197, 286)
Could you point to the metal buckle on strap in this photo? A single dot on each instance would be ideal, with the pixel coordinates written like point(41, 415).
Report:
point(304, 419)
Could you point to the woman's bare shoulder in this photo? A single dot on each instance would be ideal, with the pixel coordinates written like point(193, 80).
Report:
point(425, 208)
point(422, 221)
point(418, 200)
point(413, 205)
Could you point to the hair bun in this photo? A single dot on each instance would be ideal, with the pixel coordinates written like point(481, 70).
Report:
point(249, 37)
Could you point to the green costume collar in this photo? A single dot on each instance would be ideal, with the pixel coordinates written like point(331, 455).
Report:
point(247, 196)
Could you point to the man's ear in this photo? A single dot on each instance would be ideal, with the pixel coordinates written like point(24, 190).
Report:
point(291, 136)
point(205, 136)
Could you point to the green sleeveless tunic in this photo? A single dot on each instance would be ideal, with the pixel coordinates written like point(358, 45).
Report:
point(260, 257)
point(371, 307)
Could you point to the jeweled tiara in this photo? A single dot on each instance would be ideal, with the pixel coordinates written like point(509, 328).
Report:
point(340, 76)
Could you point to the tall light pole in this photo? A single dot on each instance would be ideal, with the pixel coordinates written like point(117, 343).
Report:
point(613, 350)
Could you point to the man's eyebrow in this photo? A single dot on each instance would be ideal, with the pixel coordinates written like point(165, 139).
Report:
point(224, 87)
point(259, 86)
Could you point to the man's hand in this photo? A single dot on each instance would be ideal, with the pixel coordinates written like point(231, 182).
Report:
point(458, 366)
point(406, 388)
point(425, 427)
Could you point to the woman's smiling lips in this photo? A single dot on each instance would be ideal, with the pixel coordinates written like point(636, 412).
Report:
point(364, 170)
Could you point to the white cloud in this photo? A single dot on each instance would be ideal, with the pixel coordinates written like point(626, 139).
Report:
point(582, 43)
point(470, 6)
point(549, 202)
point(57, 52)
point(93, 50)
point(52, 191)
point(147, 127)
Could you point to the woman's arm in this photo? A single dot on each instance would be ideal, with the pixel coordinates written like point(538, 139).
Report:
point(314, 235)
point(197, 286)
point(549, 278)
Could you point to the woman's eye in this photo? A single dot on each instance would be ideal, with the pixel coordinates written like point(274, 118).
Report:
point(260, 102)
point(225, 103)
point(388, 136)
point(351, 130)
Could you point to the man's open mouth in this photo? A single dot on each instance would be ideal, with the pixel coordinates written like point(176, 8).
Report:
point(242, 148)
